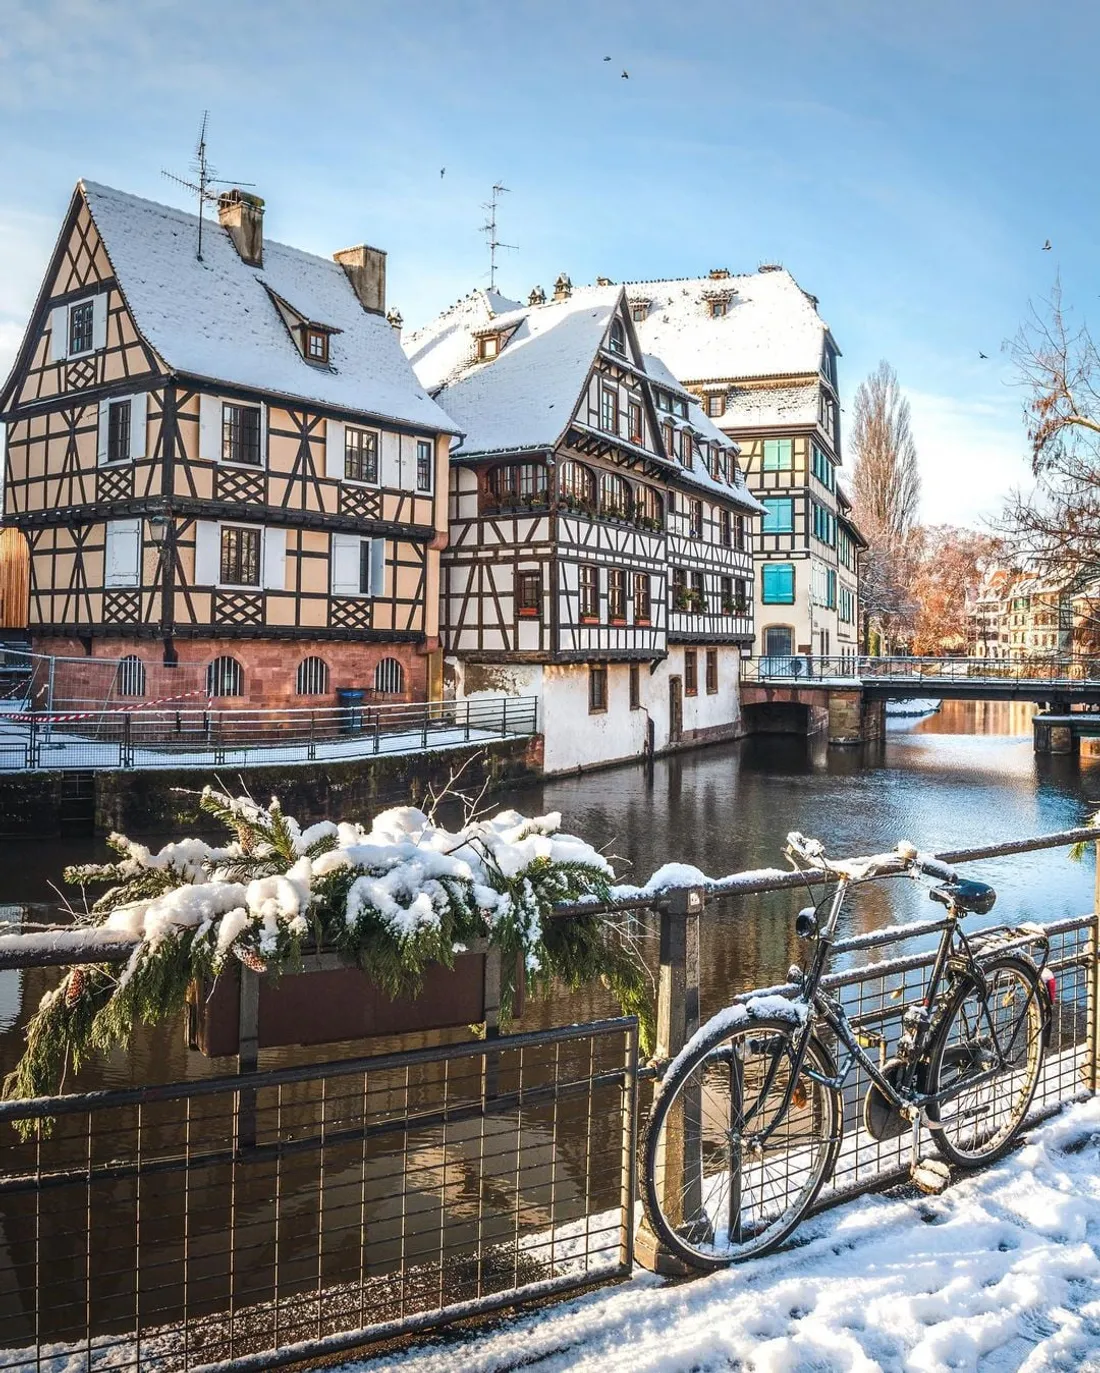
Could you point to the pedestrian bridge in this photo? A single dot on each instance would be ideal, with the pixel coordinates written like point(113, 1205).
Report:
point(1072, 681)
point(803, 693)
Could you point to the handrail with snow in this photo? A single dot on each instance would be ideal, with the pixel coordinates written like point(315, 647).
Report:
point(66, 945)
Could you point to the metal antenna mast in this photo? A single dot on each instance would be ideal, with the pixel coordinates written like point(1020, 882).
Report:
point(204, 179)
point(489, 228)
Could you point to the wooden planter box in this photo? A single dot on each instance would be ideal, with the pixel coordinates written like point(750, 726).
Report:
point(332, 1000)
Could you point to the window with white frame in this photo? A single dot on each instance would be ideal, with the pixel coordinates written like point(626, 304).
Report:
point(78, 327)
point(122, 423)
point(122, 553)
point(357, 566)
point(360, 455)
point(239, 555)
point(423, 465)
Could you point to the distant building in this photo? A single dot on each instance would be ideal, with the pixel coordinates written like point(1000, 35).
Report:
point(1021, 615)
point(763, 364)
point(600, 550)
point(225, 468)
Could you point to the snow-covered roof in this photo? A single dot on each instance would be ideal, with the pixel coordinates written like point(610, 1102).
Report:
point(446, 346)
point(769, 406)
point(703, 425)
point(771, 326)
point(215, 319)
point(525, 396)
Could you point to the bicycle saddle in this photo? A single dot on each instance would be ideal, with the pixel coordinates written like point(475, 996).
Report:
point(977, 897)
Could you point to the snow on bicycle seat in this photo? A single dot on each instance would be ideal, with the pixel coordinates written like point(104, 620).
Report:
point(976, 897)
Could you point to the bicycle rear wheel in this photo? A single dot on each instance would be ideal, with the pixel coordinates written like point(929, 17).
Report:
point(978, 1123)
point(714, 1191)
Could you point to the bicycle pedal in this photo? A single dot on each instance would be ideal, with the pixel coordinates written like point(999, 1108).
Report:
point(931, 1175)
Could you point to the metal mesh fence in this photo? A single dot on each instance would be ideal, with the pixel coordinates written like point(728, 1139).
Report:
point(875, 998)
point(256, 1220)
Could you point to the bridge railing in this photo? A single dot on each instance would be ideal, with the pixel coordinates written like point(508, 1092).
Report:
point(812, 667)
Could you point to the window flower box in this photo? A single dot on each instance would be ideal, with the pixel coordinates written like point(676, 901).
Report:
point(332, 999)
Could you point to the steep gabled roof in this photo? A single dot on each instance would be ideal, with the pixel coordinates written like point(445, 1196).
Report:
point(215, 319)
point(771, 326)
point(524, 397)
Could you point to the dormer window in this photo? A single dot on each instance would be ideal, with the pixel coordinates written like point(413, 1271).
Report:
point(616, 339)
point(716, 405)
point(316, 345)
point(718, 308)
point(638, 311)
point(488, 347)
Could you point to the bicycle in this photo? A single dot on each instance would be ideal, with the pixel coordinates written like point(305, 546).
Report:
point(747, 1123)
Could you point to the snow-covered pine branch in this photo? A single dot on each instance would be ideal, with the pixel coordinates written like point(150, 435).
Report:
point(396, 897)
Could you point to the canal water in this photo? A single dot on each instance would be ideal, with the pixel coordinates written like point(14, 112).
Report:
point(965, 776)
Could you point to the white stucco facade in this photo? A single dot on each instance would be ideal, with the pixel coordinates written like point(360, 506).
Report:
point(577, 737)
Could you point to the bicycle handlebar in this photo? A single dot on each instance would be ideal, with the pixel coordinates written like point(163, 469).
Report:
point(904, 858)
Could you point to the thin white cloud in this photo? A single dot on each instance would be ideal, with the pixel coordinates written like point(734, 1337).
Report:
point(971, 452)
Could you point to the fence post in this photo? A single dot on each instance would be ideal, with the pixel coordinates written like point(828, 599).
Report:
point(32, 744)
point(248, 1056)
point(504, 717)
point(1091, 1072)
point(424, 727)
point(679, 1162)
point(127, 741)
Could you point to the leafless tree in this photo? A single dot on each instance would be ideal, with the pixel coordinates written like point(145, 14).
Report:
point(1055, 526)
point(886, 498)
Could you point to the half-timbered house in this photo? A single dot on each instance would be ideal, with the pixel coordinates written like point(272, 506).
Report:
point(600, 544)
point(763, 363)
point(222, 461)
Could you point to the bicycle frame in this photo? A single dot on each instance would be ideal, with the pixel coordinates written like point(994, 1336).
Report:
point(904, 1096)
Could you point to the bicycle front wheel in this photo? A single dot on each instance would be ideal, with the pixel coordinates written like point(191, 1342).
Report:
point(727, 1175)
point(986, 1057)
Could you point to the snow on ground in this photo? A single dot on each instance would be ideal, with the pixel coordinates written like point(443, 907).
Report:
point(1001, 1272)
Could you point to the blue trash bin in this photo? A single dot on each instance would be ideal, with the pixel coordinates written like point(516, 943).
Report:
point(350, 700)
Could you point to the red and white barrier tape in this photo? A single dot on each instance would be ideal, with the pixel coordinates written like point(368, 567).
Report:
point(29, 717)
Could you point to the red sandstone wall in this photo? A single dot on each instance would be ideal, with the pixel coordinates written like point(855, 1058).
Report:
point(270, 667)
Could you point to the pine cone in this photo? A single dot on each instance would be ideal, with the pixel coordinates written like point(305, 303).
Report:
point(251, 960)
point(75, 990)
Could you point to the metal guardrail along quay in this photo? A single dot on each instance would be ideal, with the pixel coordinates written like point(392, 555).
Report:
point(256, 1219)
point(193, 736)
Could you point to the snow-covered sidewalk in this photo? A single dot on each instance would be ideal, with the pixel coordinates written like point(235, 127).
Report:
point(1001, 1272)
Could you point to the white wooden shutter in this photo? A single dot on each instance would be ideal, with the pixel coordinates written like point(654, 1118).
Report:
point(99, 320)
point(59, 333)
point(334, 449)
point(263, 435)
point(104, 429)
point(344, 564)
point(123, 553)
point(377, 567)
point(139, 413)
point(207, 553)
point(274, 560)
point(210, 428)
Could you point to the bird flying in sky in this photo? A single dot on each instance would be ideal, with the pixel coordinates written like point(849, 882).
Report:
point(1046, 246)
point(626, 76)
point(442, 170)
point(983, 355)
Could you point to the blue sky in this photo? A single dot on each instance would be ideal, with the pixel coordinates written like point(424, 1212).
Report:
point(905, 163)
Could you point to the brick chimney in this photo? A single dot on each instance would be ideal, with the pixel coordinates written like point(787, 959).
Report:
point(366, 271)
point(243, 215)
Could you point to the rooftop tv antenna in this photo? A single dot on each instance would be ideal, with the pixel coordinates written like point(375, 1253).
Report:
point(489, 228)
point(204, 179)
